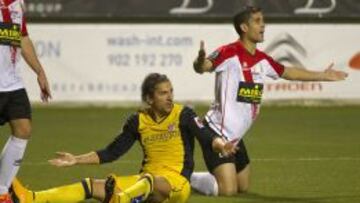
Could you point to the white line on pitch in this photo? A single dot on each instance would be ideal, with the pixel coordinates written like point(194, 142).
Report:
point(252, 159)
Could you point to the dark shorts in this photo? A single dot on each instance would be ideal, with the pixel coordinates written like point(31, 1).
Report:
point(213, 160)
point(14, 105)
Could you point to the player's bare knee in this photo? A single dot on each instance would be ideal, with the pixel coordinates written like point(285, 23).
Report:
point(229, 191)
point(22, 131)
point(243, 179)
point(243, 188)
point(226, 188)
point(243, 185)
point(21, 128)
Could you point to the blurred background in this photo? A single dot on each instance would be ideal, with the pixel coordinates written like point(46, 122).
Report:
point(304, 146)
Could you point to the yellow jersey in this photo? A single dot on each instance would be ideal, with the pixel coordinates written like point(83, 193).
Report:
point(168, 145)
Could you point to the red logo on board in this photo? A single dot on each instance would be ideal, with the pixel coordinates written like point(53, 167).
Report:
point(355, 62)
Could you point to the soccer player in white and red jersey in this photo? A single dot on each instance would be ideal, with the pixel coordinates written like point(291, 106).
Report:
point(240, 71)
point(14, 103)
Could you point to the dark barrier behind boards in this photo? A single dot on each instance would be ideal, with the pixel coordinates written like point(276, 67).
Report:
point(198, 10)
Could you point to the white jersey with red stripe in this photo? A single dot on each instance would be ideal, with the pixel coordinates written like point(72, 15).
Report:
point(11, 13)
point(233, 64)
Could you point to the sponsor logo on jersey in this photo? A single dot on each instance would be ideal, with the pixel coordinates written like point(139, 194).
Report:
point(161, 137)
point(10, 34)
point(250, 92)
point(171, 127)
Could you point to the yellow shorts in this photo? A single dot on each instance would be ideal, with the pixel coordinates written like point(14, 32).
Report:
point(180, 186)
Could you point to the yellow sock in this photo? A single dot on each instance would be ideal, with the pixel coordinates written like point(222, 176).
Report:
point(65, 194)
point(139, 191)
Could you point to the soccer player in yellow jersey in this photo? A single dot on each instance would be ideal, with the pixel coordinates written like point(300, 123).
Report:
point(166, 132)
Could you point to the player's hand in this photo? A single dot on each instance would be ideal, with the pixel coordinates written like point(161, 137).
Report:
point(63, 159)
point(230, 148)
point(202, 53)
point(334, 75)
point(225, 148)
point(45, 94)
point(200, 60)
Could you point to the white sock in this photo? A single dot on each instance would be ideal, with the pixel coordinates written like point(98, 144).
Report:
point(205, 183)
point(10, 160)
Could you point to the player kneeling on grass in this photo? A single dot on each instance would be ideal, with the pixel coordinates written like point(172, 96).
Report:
point(241, 71)
point(166, 132)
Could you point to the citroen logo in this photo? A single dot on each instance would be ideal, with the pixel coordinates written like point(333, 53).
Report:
point(286, 49)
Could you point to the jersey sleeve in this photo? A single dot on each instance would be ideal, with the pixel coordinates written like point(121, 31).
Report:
point(217, 56)
point(275, 69)
point(122, 143)
point(220, 55)
point(195, 126)
point(24, 31)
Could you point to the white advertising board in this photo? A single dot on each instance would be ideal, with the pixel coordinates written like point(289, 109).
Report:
point(107, 62)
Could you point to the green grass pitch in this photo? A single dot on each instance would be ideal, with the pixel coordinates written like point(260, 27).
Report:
point(298, 154)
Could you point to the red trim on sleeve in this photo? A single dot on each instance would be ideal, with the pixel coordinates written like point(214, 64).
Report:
point(217, 56)
point(222, 53)
point(6, 13)
point(279, 68)
point(24, 31)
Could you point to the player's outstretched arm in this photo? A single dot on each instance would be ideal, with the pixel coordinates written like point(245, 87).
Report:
point(329, 74)
point(201, 63)
point(65, 159)
point(29, 54)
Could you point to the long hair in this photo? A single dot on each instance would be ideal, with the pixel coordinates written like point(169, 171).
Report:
point(149, 84)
